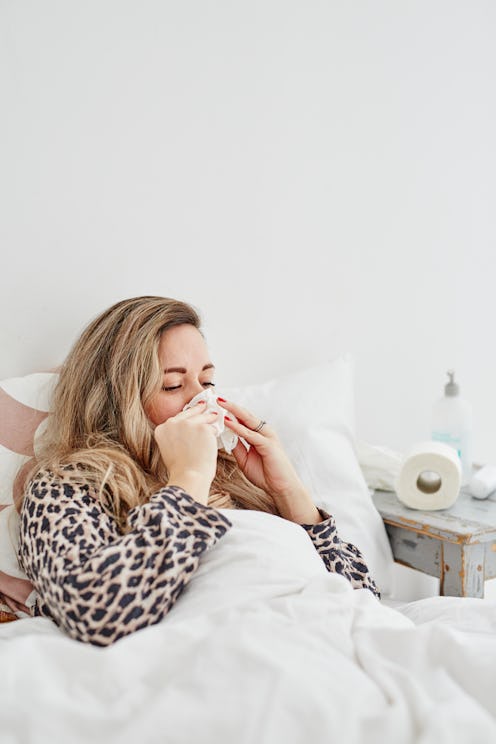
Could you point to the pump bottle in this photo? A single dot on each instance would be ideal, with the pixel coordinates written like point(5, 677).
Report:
point(452, 424)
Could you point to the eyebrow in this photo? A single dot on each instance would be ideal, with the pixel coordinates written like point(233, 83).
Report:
point(183, 371)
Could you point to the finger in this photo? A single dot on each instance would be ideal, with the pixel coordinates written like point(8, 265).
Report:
point(191, 414)
point(210, 416)
point(244, 416)
point(193, 411)
point(252, 437)
point(200, 416)
point(240, 454)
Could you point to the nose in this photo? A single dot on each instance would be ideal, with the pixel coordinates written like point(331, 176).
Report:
point(196, 388)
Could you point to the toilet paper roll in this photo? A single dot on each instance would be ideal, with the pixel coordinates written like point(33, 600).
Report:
point(429, 477)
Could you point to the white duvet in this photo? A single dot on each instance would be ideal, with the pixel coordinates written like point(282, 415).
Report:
point(264, 646)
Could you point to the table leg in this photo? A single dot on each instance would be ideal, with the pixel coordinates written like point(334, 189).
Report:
point(462, 570)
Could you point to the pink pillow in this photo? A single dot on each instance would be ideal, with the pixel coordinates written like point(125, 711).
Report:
point(24, 405)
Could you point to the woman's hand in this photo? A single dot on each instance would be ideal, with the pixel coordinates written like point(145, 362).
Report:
point(267, 466)
point(188, 446)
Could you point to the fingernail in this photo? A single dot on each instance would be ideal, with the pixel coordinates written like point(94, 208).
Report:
point(226, 418)
point(222, 400)
point(201, 401)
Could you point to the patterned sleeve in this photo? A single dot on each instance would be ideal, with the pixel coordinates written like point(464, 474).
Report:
point(94, 582)
point(339, 556)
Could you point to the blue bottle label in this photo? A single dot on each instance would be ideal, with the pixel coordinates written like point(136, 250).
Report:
point(455, 442)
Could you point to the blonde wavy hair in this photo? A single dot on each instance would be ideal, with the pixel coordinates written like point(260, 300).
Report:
point(98, 432)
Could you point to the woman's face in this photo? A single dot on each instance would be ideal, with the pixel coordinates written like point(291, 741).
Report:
point(187, 368)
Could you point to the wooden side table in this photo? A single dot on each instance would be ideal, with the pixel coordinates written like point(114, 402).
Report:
point(457, 545)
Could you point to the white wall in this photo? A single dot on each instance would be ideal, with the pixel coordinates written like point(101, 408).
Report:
point(315, 176)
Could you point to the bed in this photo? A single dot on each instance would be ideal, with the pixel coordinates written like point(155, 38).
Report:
point(264, 645)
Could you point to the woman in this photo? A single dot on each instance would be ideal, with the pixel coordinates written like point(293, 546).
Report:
point(125, 495)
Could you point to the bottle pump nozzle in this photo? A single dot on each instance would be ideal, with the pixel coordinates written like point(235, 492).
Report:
point(451, 388)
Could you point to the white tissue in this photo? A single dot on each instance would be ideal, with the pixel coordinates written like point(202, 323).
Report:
point(226, 439)
point(380, 465)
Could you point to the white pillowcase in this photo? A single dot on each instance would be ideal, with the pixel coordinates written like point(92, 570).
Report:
point(9, 542)
point(312, 411)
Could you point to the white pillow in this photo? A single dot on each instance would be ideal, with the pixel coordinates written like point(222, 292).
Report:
point(313, 413)
point(9, 542)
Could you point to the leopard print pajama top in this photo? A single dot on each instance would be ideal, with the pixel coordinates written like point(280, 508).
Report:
point(99, 585)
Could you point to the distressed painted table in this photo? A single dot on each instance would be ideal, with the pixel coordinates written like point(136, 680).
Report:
point(457, 545)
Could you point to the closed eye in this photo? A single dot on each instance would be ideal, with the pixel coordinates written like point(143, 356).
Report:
point(177, 387)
